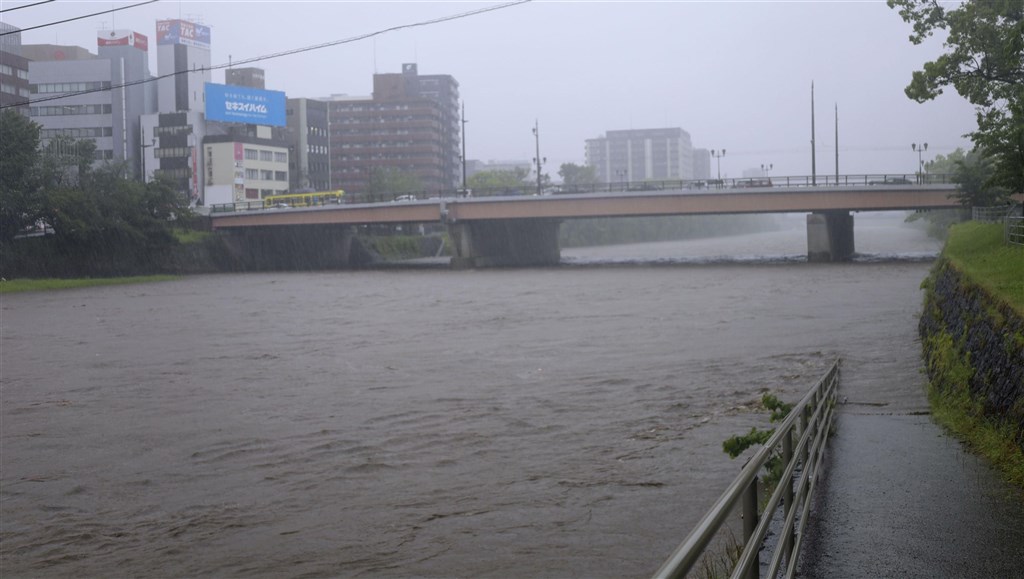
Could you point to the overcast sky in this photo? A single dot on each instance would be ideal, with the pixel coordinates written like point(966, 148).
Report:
point(735, 75)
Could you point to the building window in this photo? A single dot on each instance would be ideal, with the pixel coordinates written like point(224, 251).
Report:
point(252, 193)
point(266, 156)
point(280, 157)
point(252, 154)
point(280, 175)
point(252, 173)
point(266, 175)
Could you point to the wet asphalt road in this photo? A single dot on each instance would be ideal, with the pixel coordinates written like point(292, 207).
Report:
point(901, 498)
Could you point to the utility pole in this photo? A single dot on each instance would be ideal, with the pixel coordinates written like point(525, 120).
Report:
point(814, 170)
point(538, 159)
point(464, 121)
point(837, 143)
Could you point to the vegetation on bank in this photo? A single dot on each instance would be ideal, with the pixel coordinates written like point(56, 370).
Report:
point(972, 331)
point(25, 285)
point(977, 249)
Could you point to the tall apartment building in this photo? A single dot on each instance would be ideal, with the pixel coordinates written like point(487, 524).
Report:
point(641, 155)
point(309, 161)
point(701, 164)
point(109, 116)
point(14, 84)
point(410, 124)
point(173, 136)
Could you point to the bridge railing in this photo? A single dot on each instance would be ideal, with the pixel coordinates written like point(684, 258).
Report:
point(695, 185)
point(810, 422)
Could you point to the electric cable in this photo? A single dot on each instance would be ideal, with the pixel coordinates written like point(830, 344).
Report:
point(77, 18)
point(25, 6)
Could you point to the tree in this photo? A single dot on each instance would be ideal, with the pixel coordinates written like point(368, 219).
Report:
point(389, 180)
point(510, 180)
point(20, 203)
point(945, 164)
point(573, 174)
point(985, 64)
point(66, 161)
point(973, 175)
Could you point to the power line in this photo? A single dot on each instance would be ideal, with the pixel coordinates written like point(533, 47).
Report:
point(275, 55)
point(25, 6)
point(76, 17)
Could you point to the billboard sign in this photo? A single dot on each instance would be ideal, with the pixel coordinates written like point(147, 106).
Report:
point(182, 32)
point(239, 104)
point(122, 38)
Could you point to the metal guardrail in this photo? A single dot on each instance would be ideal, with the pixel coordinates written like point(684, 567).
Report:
point(1009, 215)
point(815, 414)
point(1013, 230)
point(989, 214)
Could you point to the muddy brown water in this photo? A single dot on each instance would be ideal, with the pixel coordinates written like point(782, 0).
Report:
point(551, 422)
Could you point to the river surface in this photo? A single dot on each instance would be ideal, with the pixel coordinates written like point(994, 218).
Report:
point(553, 422)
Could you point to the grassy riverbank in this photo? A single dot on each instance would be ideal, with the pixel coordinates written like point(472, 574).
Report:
point(25, 285)
point(972, 333)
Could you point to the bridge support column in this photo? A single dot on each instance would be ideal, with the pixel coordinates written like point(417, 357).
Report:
point(505, 243)
point(294, 247)
point(830, 236)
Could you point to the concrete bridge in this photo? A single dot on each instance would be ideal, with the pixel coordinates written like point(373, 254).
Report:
point(523, 230)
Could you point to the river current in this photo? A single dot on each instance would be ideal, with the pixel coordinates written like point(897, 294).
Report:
point(552, 422)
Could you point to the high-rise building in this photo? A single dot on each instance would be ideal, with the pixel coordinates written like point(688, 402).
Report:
point(309, 145)
point(108, 105)
point(701, 164)
point(14, 84)
point(411, 124)
point(641, 155)
point(183, 50)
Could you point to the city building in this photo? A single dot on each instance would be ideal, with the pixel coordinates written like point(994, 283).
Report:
point(309, 145)
point(251, 77)
point(701, 164)
point(411, 125)
point(641, 155)
point(14, 83)
point(109, 114)
point(172, 136)
point(240, 167)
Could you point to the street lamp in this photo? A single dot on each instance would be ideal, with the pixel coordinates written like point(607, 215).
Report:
point(144, 146)
point(718, 157)
point(538, 159)
point(920, 159)
point(765, 168)
point(622, 174)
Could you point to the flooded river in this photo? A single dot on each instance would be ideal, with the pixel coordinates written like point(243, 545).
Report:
point(551, 422)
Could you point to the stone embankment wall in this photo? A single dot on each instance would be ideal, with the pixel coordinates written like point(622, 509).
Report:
point(962, 320)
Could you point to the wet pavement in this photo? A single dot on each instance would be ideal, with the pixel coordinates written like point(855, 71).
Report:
point(902, 498)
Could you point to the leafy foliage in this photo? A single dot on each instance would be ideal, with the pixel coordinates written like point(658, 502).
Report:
point(736, 445)
point(512, 180)
point(985, 64)
point(573, 174)
point(387, 180)
point(19, 154)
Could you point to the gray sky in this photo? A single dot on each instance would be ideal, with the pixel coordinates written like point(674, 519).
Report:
point(735, 75)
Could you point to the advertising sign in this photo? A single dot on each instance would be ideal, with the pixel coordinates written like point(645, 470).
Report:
point(239, 104)
point(122, 38)
point(182, 32)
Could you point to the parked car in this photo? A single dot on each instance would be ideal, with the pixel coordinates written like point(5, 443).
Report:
point(891, 181)
point(757, 182)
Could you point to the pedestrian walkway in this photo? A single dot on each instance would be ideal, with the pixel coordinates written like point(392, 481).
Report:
point(901, 498)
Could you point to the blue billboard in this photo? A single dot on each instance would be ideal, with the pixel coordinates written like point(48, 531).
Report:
point(239, 104)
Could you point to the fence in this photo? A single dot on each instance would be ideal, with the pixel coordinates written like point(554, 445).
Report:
point(815, 413)
point(1009, 216)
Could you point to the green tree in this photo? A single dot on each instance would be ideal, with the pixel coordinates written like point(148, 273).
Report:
point(973, 175)
point(575, 175)
point(945, 164)
point(20, 203)
point(510, 180)
point(389, 180)
point(984, 63)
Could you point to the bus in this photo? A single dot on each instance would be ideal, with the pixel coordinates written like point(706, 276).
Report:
point(303, 199)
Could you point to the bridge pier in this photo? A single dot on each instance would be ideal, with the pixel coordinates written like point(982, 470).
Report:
point(297, 247)
point(830, 236)
point(505, 243)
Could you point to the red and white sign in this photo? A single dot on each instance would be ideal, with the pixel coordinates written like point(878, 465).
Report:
point(122, 38)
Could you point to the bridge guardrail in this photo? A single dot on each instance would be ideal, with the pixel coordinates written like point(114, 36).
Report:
point(815, 413)
point(695, 185)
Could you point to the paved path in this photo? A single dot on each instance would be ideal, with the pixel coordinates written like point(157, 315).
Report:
point(901, 498)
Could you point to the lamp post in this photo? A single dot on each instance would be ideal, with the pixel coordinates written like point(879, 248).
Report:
point(718, 157)
point(920, 159)
point(765, 168)
point(622, 174)
point(538, 159)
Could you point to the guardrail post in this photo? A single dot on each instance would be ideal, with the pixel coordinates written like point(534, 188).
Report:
point(749, 525)
point(787, 494)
